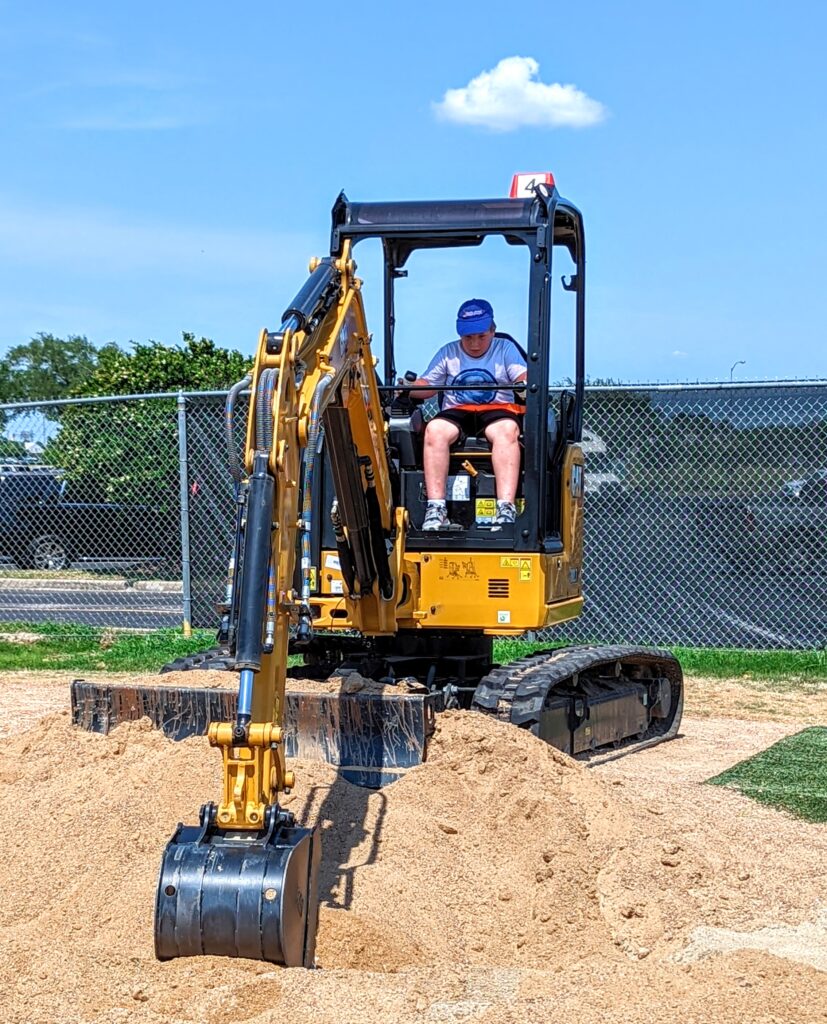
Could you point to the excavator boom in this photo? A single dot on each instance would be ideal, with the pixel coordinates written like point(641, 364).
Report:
point(244, 881)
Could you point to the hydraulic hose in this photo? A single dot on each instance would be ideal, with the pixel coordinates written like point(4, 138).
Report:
point(304, 631)
point(264, 409)
point(229, 414)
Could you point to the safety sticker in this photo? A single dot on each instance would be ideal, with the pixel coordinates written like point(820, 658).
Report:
point(457, 569)
point(486, 508)
point(525, 570)
point(459, 488)
point(337, 587)
point(509, 562)
point(312, 577)
point(332, 562)
point(503, 618)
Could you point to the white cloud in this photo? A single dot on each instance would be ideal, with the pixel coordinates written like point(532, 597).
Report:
point(511, 96)
point(680, 354)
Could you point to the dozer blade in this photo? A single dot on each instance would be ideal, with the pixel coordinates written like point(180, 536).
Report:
point(242, 895)
point(372, 738)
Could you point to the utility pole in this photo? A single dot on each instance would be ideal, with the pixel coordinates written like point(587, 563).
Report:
point(741, 362)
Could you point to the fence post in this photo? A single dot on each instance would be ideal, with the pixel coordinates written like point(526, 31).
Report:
point(183, 476)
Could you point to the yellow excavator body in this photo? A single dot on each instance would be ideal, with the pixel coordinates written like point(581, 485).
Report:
point(329, 543)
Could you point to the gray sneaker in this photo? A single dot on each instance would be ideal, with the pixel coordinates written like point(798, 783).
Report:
point(506, 515)
point(436, 518)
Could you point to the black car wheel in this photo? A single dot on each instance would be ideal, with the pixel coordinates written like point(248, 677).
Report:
point(48, 552)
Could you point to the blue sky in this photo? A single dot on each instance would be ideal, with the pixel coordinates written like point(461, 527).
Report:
point(170, 167)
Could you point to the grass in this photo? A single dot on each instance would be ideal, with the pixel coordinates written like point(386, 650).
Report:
point(83, 648)
point(780, 667)
point(752, 664)
point(47, 574)
point(86, 648)
point(791, 774)
point(76, 648)
point(130, 571)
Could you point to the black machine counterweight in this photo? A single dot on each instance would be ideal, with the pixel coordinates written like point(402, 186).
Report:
point(331, 562)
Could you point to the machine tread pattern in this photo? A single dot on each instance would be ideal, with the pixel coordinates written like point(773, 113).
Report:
point(517, 692)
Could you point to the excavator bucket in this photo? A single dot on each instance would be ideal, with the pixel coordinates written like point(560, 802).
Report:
point(229, 894)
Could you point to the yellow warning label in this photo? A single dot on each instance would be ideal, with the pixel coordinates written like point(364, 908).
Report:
point(525, 570)
point(510, 563)
point(486, 507)
point(312, 577)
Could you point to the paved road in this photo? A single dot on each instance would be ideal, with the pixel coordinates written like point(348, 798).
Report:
point(647, 580)
point(650, 579)
point(126, 608)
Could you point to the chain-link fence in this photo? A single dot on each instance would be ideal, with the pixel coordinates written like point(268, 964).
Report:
point(90, 512)
point(706, 513)
point(706, 516)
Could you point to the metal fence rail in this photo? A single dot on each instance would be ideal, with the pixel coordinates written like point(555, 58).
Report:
point(706, 513)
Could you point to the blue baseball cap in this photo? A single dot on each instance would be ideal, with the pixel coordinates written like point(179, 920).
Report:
point(474, 317)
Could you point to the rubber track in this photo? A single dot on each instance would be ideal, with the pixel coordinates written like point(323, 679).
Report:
point(214, 659)
point(516, 692)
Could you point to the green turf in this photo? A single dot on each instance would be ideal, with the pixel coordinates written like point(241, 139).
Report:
point(791, 774)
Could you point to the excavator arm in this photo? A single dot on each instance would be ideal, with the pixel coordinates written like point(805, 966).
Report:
point(244, 881)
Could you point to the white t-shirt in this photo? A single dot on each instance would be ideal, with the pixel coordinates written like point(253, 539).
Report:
point(501, 364)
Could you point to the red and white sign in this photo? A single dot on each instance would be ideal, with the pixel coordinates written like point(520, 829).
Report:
point(523, 185)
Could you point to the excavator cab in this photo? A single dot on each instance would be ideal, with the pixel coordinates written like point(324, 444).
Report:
point(331, 562)
point(521, 577)
point(540, 223)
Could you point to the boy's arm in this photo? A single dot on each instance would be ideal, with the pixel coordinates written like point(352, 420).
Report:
point(435, 375)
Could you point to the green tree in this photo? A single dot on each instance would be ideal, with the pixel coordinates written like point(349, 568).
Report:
point(128, 451)
point(4, 390)
point(197, 365)
point(46, 367)
point(11, 449)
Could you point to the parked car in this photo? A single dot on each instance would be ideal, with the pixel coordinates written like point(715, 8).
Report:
point(603, 473)
point(42, 527)
point(783, 532)
point(24, 482)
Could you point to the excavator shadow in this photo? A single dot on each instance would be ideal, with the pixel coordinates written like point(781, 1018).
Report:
point(351, 819)
point(372, 737)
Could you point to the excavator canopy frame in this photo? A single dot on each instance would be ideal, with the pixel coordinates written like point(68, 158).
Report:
point(540, 223)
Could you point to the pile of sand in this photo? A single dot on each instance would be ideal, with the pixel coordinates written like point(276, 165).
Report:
point(498, 878)
point(347, 682)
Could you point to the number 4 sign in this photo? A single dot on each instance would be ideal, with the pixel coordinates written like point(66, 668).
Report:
point(524, 185)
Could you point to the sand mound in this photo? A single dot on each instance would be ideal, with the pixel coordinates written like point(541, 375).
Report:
point(499, 853)
point(212, 679)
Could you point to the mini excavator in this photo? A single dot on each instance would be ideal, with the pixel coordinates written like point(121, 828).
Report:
point(331, 560)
